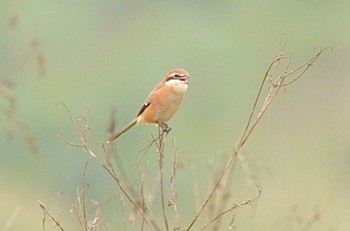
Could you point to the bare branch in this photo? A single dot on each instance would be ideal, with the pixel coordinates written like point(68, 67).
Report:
point(273, 90)
point(107, 167)
point(161, 146)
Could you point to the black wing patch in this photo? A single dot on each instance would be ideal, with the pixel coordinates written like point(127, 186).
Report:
point(143, 108)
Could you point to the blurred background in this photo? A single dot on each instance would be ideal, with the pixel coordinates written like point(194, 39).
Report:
point(97, 56)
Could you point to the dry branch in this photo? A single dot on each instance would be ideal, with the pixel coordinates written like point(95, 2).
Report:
point(277, 83)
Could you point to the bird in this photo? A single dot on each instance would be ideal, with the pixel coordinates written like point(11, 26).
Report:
point(162, 103)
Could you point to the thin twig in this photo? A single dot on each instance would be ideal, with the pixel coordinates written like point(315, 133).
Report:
point(172, 200)
point(145, 151)
point(256, 101)
point(235, 206)
point(142, 196)
point(306, 65)
point(46, 212)
point(68, 142)
point(81, 197)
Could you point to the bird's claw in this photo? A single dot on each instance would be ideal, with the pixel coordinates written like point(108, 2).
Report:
point(165, 128)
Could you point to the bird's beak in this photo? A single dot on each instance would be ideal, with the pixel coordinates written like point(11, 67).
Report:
point(185, 78)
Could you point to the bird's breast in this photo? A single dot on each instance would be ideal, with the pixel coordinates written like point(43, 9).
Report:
point(163, 104)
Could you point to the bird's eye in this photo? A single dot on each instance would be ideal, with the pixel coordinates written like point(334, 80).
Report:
point(173, 76)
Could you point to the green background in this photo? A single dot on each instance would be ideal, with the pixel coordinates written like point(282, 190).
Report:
point(110, 54)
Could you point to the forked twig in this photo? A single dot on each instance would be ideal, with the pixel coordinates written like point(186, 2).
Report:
point(84, 145)
point(234, 207)
point(87, 149)
point(252, 124)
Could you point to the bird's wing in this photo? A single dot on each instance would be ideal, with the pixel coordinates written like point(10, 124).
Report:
point(149, 98)
point(144, 106)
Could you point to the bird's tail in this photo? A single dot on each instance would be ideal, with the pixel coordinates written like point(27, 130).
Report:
point(121, 132)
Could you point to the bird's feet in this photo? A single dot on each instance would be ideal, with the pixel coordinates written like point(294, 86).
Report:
point(165, 128)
